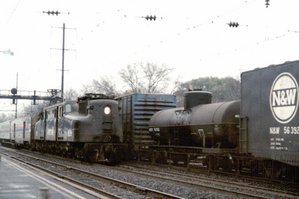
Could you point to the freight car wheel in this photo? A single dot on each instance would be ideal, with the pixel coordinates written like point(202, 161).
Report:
point(78, 154)
point(277, 170)
point(179, 159)
point(112, 155)
point(224, 163)
point(95, 155)
point(161, 157)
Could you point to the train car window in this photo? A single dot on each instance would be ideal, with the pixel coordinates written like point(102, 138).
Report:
point(82, 107)
point(14, 130)
point(68, 108)
point(50, 114)
point(54, 112)
point(24, 128)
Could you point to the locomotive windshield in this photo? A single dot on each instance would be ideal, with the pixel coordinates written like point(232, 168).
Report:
point(71, 107)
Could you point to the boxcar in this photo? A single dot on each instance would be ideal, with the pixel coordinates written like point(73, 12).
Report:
point(269, 113)
point(136, 110)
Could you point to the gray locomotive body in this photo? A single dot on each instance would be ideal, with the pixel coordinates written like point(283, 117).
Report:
point(89, 128)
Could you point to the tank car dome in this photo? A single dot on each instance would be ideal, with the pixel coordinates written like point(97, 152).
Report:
point(194, 98)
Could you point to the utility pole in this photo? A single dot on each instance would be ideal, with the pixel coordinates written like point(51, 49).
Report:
point(63, 50)
point(62, 70)
point(16, 113)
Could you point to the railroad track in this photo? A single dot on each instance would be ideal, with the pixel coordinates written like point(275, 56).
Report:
point(222, 187)
point(236, 189)
point(99, 184)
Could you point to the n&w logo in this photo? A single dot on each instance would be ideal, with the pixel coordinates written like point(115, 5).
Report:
point(284, 98)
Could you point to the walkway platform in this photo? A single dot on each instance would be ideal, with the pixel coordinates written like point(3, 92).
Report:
point(18, 181)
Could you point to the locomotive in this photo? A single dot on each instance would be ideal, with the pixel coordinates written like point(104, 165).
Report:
point(88, 129)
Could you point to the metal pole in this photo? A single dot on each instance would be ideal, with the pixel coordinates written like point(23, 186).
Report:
point(62, 70)
point(16, 113)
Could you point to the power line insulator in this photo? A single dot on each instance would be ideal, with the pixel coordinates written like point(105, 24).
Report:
point(233, 24)
point(151, 17)
point(49, 12)
point(267, 3)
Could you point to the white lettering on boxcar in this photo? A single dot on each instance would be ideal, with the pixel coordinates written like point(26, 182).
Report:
point(284, 98)
point(274, 130)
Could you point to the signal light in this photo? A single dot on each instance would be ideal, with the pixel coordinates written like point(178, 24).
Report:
point(233, 24)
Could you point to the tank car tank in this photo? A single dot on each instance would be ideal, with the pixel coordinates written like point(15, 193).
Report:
point(199, 123)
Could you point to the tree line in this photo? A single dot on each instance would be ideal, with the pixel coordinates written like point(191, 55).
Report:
point(152, 78)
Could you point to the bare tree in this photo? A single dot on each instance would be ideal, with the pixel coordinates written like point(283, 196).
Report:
point(4, 117)
point(33, 109)
point(104, 86)
point(157, 77)
point(71, 94)
point(148, 78)
point(87, 88)
point(130, 76)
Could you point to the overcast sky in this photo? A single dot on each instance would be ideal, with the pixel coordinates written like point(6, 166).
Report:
point(190, 36)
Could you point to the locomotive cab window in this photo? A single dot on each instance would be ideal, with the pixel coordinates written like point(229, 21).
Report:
point(68, 108)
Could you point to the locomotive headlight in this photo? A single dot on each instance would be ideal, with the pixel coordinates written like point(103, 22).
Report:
point(107, 110)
